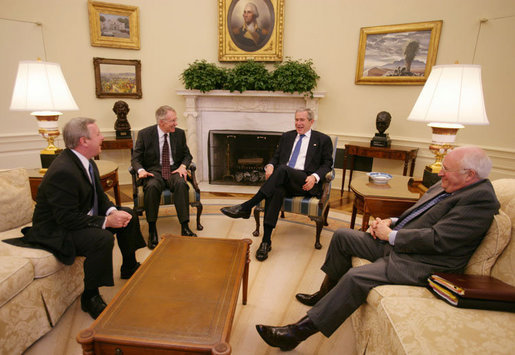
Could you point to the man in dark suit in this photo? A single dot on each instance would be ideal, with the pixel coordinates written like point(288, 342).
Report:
point(438, 234)
point(160, 158)
point(74, 217)
point(298, 168)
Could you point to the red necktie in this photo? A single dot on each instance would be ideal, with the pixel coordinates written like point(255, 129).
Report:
point(165, 159)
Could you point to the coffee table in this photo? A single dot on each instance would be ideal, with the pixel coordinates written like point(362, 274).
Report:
point(182, 299)
point(381, 200)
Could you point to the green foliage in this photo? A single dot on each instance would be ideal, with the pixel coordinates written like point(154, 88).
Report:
point(248, 75)
point(295, 76)
point(203, 76)
point(291, 76)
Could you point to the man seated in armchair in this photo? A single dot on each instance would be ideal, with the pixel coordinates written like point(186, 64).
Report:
point(160, 158)
point(438, 234)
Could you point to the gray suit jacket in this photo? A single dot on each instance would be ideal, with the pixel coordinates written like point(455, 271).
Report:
point(444, 237)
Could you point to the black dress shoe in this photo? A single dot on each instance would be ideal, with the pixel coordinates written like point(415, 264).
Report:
point(235, 212)
point(126, 273)
point(187, 232)
point(262, 252)
point(153, 239)
point(287, 337)
point(94, 305)
point(307, 299)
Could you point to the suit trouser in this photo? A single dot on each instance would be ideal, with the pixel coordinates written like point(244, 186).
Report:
point(354, 283)
point(284, 181)
point(154, 186)
point(97, 246)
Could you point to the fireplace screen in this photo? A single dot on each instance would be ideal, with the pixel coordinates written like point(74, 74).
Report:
point(239, 157)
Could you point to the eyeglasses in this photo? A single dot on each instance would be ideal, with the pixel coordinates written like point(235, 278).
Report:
point(460, 171)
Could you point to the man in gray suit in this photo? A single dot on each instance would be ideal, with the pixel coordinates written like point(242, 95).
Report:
point(438, 234)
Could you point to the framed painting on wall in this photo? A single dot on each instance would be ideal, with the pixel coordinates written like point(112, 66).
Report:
point(117, 78)
point(250, 29)
point(113, 25)
point(397, 54)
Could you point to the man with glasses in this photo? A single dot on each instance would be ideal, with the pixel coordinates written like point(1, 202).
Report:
point(438, 234)
point(160, 158)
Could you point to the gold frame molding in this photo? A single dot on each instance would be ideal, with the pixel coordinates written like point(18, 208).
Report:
point(95, 9)
point(431, 48)
point(231, 46)
point(102, 93)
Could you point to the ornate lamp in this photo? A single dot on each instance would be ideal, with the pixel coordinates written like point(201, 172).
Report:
point(40, 87)
point(451, 98)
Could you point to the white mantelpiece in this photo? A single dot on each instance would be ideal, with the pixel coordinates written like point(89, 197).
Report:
point(250, 110)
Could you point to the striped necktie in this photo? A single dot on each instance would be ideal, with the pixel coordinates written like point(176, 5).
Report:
point(296, 151)
point(419, 210)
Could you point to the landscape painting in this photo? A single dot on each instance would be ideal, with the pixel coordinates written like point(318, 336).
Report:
point(117, 78)
point(399, 54)
point(114, 26)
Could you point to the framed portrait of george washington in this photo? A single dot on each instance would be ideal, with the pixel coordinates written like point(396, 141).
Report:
point(397, 54)
point(250, 29)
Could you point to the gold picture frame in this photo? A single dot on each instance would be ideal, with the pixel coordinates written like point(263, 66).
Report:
point(397, 54)
point(117, 78)
point(113, 25)
point(237, 42)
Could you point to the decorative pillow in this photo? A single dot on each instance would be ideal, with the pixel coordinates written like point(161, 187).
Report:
point(491, 247)
point(16, 205)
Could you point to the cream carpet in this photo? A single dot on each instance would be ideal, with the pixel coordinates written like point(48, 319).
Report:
point(292, 266)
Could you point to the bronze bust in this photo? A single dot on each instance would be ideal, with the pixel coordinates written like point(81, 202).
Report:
point(382, 139)
point(122, 125)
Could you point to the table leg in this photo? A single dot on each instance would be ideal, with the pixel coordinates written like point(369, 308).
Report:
point(246, 276)
point(412, 169)
point(364, 222)
point(405, 171)
point(344, 171)
point(116, 189)
point(351, 169)
point(353, 217)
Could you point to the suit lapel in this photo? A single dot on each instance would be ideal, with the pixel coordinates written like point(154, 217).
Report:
point(313, 142)
point(426, 197)
point(173, 144)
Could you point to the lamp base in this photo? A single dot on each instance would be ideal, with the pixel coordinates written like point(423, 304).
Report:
point(430, 177)
point(47, 157)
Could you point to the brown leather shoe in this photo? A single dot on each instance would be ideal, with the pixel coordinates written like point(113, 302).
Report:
point(312, 299)
point(288, 337)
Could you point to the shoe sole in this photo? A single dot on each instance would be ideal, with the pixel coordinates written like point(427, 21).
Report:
point(233, 216)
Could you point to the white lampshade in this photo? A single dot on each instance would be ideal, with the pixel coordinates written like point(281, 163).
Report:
point(40, 86)
point(451, 97)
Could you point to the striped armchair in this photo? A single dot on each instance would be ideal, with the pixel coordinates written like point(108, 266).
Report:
point(167, 195)
point(315, 208)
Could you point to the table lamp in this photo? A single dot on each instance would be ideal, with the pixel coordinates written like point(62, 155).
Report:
point(451, 98)
point(40, 87)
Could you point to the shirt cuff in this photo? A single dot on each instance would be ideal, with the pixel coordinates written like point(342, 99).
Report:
point(394, 221)
point(109, 211)
point(391, 237)
point(317, 178)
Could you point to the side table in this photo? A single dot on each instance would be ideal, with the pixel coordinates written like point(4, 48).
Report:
point(382, 200)
point(395, 152)
point(111, 144)
point(108, 177)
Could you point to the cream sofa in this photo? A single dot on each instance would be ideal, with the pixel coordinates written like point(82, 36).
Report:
point(35, 288)
point(410, 320)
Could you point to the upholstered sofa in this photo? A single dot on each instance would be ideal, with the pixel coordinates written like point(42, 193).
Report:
point(35, 288)
point(410, 320)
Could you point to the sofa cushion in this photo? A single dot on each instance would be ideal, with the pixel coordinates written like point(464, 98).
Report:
point(43, 262)
point(16, 205)
point(491, 247)
point(15, 275)
point(431, 326)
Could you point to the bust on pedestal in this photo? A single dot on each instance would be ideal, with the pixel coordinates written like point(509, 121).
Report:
point(382, 139)
point(122, 125)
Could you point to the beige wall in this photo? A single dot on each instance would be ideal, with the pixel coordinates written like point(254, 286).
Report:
point(175, 33)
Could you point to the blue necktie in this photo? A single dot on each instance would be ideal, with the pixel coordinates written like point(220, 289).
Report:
point(419, 210)
point(296, 151)
point(95, 197)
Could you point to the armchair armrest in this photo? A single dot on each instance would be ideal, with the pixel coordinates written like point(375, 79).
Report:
point(326, 187)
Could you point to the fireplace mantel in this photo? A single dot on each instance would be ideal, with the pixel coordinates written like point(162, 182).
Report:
point(249, 110)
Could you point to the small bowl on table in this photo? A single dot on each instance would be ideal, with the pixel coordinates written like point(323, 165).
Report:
point(379, 178)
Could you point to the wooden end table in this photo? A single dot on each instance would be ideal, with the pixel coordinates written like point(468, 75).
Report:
point(382, 200)
point(182, 299)
point(113, 144)
point(108, 177)
point(395, 152)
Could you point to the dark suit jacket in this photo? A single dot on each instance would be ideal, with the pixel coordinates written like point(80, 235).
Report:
point(319, 157)
point(146, 152)
point(444, 237)
point(64, 198)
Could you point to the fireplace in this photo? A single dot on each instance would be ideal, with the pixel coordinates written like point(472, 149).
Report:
point(239, 157)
